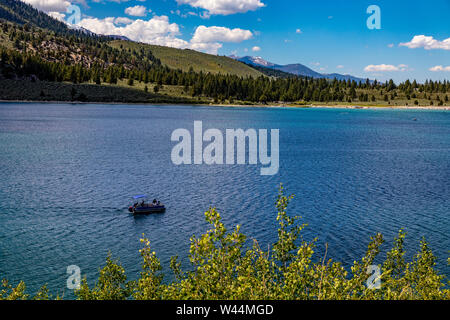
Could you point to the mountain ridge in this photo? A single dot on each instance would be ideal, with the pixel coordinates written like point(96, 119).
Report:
point(297, 69)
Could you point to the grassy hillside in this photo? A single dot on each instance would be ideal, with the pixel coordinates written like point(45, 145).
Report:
point(185, 59)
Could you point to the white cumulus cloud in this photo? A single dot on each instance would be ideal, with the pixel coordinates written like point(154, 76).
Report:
point(57, 15)
point(122, 20)
point(136, 11)
point(157, 30)
point(256, 49)
point(220, 34)
point(440, 68)
point(49, 5)
point(385, 67)
point(224, 7)
point(427, 42)
point(208, 39)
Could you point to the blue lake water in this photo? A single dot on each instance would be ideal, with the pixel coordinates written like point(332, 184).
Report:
point(67, 173)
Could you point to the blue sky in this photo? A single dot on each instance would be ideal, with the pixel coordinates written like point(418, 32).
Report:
point(327, 36)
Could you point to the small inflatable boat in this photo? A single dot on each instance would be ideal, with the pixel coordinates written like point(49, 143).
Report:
point(141, 206)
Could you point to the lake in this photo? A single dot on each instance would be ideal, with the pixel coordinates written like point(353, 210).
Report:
point(68, 173)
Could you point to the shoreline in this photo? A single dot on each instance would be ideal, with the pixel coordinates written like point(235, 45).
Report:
point(278, 106)
point(443, 108)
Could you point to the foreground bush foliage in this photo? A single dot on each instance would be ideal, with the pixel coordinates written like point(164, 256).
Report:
point(225, 267)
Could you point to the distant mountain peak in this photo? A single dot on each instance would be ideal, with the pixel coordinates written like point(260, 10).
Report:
point(81, 29)
point(258, 61)
point(297, 69)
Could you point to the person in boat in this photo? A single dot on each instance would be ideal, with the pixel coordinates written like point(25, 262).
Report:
point(154, 202)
